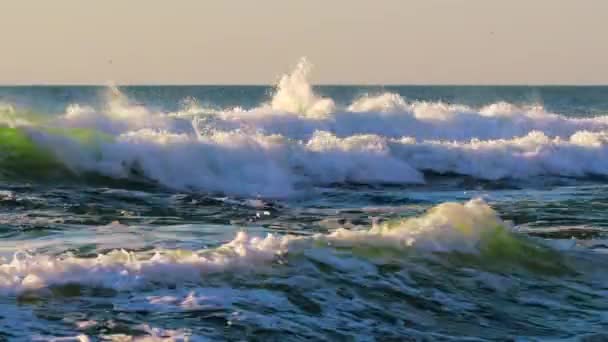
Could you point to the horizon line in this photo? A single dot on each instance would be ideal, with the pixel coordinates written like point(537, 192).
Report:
point(15, 85)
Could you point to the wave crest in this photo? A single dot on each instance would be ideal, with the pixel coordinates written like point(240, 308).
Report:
point(295, 95)
point(301, 139)
point(472, 227)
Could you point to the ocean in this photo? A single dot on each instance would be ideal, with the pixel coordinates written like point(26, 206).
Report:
point(301, 213)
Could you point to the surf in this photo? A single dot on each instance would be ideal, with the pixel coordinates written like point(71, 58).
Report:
point(299, 140)
point(469, 233)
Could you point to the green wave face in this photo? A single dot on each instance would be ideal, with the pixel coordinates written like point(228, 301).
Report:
point(497, 250)
point(21, 156)
point(500, 250)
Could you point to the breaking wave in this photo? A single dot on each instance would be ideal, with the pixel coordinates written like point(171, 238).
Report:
point(472, 228)
point(299, 139)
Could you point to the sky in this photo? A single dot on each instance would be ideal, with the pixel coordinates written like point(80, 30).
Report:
point(347, 41)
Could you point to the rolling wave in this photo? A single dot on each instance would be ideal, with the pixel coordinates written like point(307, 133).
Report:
point(298, 140)
point(472, 228)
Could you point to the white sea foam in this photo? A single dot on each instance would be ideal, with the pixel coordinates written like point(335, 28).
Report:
point(447, 227)
point(389, 115)
point(387, 102)
point(150, 334)
point(295, 95)
point(534, 154)
point(300, 139)
point(154, 334)
point(274, 166)
point(118, 116)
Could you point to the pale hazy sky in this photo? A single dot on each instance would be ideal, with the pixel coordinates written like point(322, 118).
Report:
point(348, 41)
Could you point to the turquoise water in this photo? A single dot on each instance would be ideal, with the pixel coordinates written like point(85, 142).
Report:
point(293, 213)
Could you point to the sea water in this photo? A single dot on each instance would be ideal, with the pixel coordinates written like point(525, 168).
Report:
point(298, 213)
